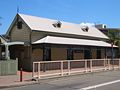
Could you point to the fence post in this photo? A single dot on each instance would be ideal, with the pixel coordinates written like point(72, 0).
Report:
point(91, 65)
point(68, 67)
point(119, 63)
point(109, 64)
point(61, 68)
point(33, 70)
point(105, 64)
point(21, 74)
point(85, 65)
point(38, 70)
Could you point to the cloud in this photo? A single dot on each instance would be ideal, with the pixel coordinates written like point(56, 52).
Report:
point(87, 24)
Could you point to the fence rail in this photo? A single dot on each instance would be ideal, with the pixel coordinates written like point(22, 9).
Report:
point(44, 69)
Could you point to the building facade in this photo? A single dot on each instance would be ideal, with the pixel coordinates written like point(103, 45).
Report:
point(47, 39)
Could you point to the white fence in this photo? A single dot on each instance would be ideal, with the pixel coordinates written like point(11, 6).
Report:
point(45, 69)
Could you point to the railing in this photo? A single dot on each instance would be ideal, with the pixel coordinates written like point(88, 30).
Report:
point(67, 67)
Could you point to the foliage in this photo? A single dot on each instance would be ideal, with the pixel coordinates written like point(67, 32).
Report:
point(114, 36)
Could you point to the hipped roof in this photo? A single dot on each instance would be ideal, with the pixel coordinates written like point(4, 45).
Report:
point(71, 41)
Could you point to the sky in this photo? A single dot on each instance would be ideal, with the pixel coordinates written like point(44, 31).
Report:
point(75, 11)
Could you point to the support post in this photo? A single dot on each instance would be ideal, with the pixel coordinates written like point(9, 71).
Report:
point(112, 51)
point(109, 64)
point(39, 70)
point(91, 65)
point(104, 64)
point(61, 68)
point(68, 67)
point(119, 63)
point(7, 52)
point(44, 57)
point(85, 65)
point(33, 70)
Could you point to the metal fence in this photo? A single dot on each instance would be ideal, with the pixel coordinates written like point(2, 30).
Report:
point(8, 67)
point(45, 69)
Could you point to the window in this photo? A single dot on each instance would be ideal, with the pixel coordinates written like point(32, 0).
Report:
point(57, 24)
point(47, 54)
point(19, 24)
point(85, 28)
point(69, 54)
point(98, 54)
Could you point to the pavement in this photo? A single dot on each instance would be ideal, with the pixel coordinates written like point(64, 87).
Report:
point(14, 80)
point(107, 80)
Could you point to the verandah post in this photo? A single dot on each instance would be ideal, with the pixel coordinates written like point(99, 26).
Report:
point(119, 63)
point(109, 64)
point(38, 70)
point(91, 65)
point(104, 64)
point(33, 69)
point(69, 67)
point(85, 65)
point(61, 68)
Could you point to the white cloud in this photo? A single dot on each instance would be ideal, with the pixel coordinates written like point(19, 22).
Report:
point(87, 24)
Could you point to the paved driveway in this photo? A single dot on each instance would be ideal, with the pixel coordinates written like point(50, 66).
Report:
point(102, 81)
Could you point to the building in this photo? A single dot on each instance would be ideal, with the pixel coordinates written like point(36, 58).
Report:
point(47, 39)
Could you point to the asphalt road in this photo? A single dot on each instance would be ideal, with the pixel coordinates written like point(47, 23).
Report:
point(109, 80)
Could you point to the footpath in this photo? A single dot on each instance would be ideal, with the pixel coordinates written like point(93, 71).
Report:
point(14, 80)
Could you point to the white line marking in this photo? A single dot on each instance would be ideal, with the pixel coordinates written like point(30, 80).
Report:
point(99, 85)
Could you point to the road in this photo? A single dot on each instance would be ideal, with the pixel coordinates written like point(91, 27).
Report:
point(109, 80)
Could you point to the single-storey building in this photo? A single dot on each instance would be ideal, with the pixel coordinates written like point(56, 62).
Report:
point(46, 39)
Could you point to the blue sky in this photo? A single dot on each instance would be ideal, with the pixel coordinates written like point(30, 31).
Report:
point(75, 11)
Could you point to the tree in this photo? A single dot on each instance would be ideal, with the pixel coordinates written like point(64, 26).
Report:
point(114, 36)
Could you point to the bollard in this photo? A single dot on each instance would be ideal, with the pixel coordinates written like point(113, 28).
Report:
point(21, 75)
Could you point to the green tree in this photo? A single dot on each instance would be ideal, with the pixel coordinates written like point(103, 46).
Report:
point(114, 36)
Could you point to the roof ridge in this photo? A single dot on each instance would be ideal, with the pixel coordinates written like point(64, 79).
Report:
point(48, 18)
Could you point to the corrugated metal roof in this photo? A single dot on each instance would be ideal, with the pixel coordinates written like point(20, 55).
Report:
point(71, 41)
point(44, 24)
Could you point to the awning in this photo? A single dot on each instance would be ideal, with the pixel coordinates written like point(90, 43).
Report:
point(72, 41)
point(7, 44)
point(14, 43)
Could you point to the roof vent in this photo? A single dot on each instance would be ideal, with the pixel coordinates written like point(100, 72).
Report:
point(85, 28)
point(57, 24)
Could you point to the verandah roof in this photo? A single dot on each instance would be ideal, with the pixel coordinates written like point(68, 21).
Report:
point(72, 41)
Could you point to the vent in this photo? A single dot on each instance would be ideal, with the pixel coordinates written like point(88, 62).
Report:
point(19, 24)
point(57, 24)
point(85, 28)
